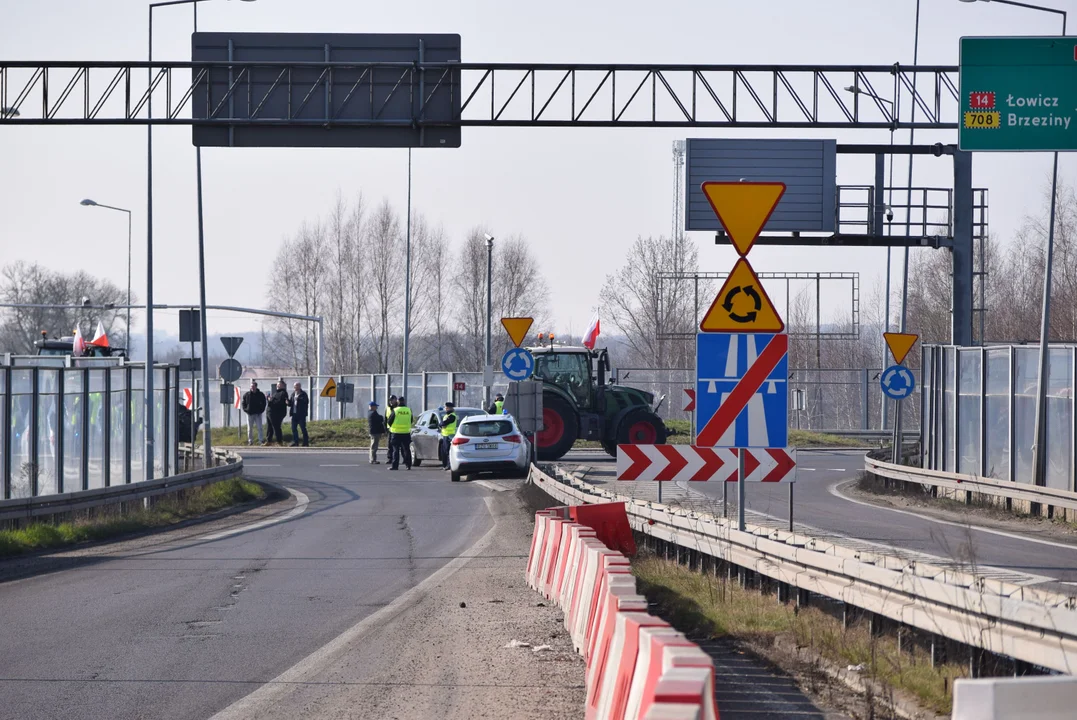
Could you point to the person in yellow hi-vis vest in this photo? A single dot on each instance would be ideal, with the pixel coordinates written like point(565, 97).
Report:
point(448, 431)
point(400, 433)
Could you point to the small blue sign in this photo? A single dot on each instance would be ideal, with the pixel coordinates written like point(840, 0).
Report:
point(518, 364)
point(897, 382)
point(722, 361)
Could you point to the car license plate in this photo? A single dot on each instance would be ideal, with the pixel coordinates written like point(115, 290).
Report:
point(486, 446)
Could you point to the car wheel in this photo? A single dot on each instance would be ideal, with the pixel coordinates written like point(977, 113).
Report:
point(455, 476)
point(560, 428)
point(416, 462)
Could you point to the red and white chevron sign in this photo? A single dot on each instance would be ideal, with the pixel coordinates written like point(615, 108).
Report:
point(688, 399)
point(665, 463)
point(770, 464)
point(676, 462)
point(188, 399)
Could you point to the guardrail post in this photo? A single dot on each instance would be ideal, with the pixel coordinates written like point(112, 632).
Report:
point(937, 650)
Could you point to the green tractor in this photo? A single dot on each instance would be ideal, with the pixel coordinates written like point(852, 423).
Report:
point(576, 407)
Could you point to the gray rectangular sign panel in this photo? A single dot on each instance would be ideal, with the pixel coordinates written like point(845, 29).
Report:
point(316, 107)
point(807, 167)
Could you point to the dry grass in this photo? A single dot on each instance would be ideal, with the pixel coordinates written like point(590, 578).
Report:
point(703, 605)
point(192, 503)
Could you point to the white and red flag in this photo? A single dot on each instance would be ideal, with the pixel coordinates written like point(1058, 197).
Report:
point(591, 336)
point(100, 339)
point(78, 346)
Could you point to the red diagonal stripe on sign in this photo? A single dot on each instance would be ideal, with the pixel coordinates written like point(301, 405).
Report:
point(785, 464)
point(677, 462)
point(742, 392)
point(640, 461)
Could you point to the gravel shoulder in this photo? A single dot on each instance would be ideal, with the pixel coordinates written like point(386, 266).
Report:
point(440, 649)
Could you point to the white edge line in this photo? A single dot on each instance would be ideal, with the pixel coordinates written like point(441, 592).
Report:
point(301, 502)
point(254, 704)
point(833, 490)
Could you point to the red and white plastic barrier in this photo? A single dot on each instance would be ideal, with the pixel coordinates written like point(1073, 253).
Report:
point(637, 666)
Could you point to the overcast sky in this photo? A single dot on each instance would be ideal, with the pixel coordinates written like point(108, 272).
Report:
point(579, 195)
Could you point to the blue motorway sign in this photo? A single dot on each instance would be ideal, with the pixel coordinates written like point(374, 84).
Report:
point(897, 382)
point(742, 390)
point(518, 364)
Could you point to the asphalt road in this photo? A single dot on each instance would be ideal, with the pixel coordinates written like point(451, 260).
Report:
point(817, 503)
point(184, 628)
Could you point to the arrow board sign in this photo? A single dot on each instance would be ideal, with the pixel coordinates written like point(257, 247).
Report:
point(666, 463)
point(688, 399)
point(770, 465)
point(742, 390)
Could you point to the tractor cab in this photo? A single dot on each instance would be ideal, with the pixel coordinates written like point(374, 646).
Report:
point(578, 403)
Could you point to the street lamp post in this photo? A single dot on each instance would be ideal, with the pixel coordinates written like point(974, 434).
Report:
point(90, 203)
point(149, 259)
point(488, 374)
point(1039, 442)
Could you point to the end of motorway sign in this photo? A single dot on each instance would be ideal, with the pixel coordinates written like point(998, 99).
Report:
point(1018, 94)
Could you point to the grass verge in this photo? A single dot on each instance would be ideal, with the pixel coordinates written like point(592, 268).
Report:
point(192, 503)
point(703, 605)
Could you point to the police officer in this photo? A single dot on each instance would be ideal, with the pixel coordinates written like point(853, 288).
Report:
point(498, 407)
point(390, 446)
point(448, 431)
point(400, 433)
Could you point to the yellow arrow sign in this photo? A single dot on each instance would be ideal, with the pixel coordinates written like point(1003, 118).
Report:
point(900, 344)
point(330, 389)
point(742, 305)
point(517, 328)
point(743, 208)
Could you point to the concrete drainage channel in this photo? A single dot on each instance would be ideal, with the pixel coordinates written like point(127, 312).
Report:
point(1000, 626)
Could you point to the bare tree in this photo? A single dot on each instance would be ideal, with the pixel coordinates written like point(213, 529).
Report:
point(643, 306)
point(31, 284)
point(385, 280)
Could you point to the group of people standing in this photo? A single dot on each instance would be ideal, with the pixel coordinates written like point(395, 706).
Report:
point(276, 406)
point(397, 421)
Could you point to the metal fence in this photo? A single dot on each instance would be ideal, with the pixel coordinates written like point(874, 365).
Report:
point(426, 391)
point(979, 411)
point(70, 428)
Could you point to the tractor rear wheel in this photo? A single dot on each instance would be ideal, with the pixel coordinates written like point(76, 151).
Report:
point(610, 448)
point(641, 427)
point(560, 428)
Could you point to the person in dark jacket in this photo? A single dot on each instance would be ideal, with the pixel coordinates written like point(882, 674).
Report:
point(254, 404)
point(299, 403)
point(376, 428)
point(278, 408)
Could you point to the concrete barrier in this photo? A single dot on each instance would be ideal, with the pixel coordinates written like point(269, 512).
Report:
point(1027, 698)
point(636, 665)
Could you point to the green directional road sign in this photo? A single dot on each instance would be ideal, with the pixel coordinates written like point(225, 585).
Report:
point(1018, 93)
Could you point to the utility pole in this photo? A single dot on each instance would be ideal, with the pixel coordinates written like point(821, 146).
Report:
point(488, 371)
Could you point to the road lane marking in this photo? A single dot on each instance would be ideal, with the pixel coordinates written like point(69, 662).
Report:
point(250, 464)
point(260, 701)
point(345, 465)
point(833, 490)
point(490, 486)
point(301, 502)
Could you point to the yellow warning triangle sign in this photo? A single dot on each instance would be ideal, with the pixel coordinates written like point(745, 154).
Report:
point(743, 208)
point(330, 389)
point(742, 305)
point(900, 344)
point(517, 328)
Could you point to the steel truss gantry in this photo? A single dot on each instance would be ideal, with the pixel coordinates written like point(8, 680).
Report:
point(241, 93)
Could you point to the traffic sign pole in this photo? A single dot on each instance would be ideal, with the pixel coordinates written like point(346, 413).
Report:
point(741, 476)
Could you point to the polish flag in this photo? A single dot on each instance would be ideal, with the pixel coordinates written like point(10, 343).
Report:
point(78, 347)
point(100, 339)
point(591, 336)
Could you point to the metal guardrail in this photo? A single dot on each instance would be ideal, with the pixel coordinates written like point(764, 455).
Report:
point(972, 483)
point(1017, 621)
point(229, 465)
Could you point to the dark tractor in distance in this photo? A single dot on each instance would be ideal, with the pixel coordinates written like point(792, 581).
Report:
point(575, 406)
